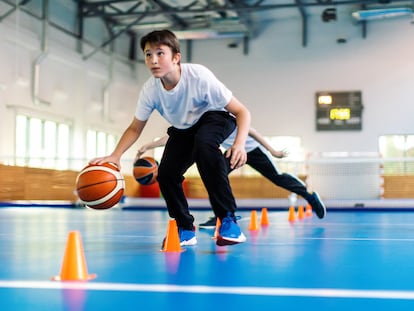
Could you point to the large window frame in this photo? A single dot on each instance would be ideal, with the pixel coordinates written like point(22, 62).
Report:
point(397, 152)
point(42, 143)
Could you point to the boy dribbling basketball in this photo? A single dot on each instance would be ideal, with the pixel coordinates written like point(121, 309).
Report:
point(202, 112)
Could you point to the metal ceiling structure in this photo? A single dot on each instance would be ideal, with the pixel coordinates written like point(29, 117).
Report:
point(189, 19)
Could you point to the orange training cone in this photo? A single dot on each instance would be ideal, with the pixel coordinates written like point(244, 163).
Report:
point(253, 221)
point(74, 264)
point(172, 240)
point(308, 212)
point(292, 216)
point(216, 231)
point(264, 220)
point(301, 212)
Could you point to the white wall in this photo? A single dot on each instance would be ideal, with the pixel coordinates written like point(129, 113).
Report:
point(277, 80)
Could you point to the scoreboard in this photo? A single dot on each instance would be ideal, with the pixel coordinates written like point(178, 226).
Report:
point(336, 111)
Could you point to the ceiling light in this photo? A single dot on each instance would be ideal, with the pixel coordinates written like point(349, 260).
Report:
point(364, 15)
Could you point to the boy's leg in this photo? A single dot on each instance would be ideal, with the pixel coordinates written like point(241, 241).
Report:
point(213, 129)
point(262, 162)
point(211, 222)
point(176, 159)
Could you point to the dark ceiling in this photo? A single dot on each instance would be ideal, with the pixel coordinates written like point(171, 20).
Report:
point(103, 23)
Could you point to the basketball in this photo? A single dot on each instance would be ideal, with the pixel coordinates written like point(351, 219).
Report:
point(146, 170)
point(100, 186)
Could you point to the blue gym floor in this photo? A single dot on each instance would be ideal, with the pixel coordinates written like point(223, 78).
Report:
point(351, 260)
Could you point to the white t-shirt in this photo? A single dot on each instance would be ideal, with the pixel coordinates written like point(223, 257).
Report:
point(251, 143)
point(197, 92)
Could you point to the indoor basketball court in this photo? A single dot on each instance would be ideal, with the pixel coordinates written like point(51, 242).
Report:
point(351, 259)
point(328, 86)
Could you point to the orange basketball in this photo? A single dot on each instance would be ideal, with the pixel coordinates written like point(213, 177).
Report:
point(100, 186)
point(145, 170)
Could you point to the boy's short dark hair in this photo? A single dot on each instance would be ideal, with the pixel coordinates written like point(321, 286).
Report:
point(158, 37)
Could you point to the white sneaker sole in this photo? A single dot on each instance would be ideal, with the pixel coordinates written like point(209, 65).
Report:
point(222, 241)
point(192, 241)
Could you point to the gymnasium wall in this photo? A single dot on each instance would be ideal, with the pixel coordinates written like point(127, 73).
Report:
point(277, 80)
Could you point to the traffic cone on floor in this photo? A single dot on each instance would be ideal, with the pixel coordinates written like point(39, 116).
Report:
point(264, 220)
point(292, 216)
point(217, 230)
point(301, 212)
point(254, 226)
point(308, 212)
point(172, 240)
point(74, 266)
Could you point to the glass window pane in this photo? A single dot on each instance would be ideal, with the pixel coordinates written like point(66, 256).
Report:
point(398, 146)
point(101, 144)
point(409, 146)
point(91, 144)
point(294, 162)
point(63, 142)
point(111, 143)
point(35, 142)
point(396, 151)
point(42, 143)
point(49, 144)
point(21, 140)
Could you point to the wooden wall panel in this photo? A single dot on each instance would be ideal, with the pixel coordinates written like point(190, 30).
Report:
point(131, 186)
point(243, 188)
point(12, 183)
point(23, 183)
point(396, 187)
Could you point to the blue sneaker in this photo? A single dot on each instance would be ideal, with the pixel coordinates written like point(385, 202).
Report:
point(187, 237)
point(229, 232)
point(317, 205)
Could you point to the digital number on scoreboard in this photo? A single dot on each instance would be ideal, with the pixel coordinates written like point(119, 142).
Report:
point(338, 111)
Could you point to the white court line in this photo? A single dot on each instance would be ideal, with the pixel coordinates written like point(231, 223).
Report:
point(361, 239)
point(200, 289)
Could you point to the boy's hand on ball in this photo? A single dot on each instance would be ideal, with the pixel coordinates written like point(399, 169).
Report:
point(110, 159)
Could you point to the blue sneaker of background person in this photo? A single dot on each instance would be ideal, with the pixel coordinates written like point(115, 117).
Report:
point(229, 232)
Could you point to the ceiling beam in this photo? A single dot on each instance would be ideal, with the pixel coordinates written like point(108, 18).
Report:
point(98, 9)
point(301, 8)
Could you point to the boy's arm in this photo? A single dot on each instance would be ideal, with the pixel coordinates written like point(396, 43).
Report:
point(261, 140)
point(154, 144)
point(237, 152)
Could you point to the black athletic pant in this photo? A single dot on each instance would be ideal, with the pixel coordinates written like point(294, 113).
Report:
point(258, 160)
point(200, 144)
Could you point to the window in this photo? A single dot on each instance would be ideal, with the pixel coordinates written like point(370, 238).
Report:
point(397, 152)
point(99, 143)
point(42, 143)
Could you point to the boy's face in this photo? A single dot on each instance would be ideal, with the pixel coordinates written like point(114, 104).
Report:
point(160, 60)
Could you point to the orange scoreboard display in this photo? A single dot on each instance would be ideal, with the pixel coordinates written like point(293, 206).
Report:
point(336, 111)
